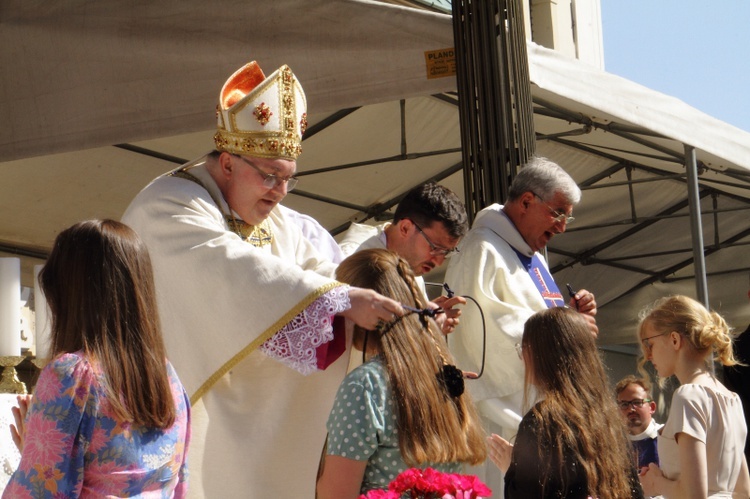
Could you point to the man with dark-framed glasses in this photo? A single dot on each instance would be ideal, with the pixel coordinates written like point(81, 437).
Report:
point(427, 225)
point(638, 407)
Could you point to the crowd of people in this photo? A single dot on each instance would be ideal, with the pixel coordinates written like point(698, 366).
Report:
point(216, 344)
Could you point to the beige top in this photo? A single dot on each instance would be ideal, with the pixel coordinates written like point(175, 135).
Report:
point(715, 419)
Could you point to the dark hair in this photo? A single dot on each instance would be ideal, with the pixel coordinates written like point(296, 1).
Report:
point(577, 413)
point(99, 285)
point(430, 203)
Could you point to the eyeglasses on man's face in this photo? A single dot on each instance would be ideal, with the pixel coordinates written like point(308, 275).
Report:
point(270, 180)
point(435, 250)
point(625, 405)
point(557, 216)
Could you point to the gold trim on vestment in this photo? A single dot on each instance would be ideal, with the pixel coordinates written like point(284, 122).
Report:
point(267, 334)
point(257, 235)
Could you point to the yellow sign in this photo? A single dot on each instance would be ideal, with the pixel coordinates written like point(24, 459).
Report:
point(440, 63)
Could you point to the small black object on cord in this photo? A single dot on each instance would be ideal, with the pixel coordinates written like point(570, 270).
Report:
point(424, 312)
point(452, 378)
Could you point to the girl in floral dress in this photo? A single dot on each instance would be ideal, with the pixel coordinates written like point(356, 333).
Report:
point(109, 417)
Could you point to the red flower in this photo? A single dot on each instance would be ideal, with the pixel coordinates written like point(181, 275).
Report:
point(432, 484)
point(381, 494)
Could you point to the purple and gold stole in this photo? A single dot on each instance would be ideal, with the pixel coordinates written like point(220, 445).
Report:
point(542, 280)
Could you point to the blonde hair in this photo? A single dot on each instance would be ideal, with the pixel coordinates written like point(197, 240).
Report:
point(433, 427)
point(706, 330)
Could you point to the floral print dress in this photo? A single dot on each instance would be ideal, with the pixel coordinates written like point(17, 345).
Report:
point(76, 446)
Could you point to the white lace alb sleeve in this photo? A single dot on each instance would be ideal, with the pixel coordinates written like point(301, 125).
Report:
point(295, 344)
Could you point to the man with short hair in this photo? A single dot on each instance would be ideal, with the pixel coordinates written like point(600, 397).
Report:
point(499, 265)
point(638, 407)
point(246, 302)
point(427, 225)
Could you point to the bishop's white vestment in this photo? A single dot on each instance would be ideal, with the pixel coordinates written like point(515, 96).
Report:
point(258, 425)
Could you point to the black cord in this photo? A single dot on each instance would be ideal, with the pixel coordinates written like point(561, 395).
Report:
point(364, 346)
point(450, 294)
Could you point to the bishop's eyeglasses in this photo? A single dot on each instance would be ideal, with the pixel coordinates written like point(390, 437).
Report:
point(270, 180)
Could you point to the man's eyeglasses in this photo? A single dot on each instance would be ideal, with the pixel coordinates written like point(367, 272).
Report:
point(557, 215)
point(646, 344)
point(625, 405)
point(435, 250)
point(270, 180)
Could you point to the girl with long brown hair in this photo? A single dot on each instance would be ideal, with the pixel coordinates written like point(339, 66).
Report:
point(109, 417)
point(572, 443)
point(405, 406)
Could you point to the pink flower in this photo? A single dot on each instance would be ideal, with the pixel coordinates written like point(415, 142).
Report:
point(406, 480)
point(432, 484)
point(44, 443)
point(381, 494)
point(470, 483)
point(107, 477)
point(17, 491)
point(48, 388)
point(99, 439)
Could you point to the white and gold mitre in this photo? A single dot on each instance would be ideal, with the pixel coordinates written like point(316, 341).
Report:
point(259, 116)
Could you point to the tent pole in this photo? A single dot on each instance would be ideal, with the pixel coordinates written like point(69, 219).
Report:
point(696, 228)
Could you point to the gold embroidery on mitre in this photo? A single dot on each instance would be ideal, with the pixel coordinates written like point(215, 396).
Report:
point(303, 124)
point(262, 113)
point(286, 141)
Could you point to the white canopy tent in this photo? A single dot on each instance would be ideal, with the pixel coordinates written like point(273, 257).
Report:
point(100, 97)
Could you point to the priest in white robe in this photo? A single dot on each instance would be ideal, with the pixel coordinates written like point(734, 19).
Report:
point(247, 303)
point(499, 265)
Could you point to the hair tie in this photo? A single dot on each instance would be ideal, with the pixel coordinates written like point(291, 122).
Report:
point(452, 379)
point(383, 327)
